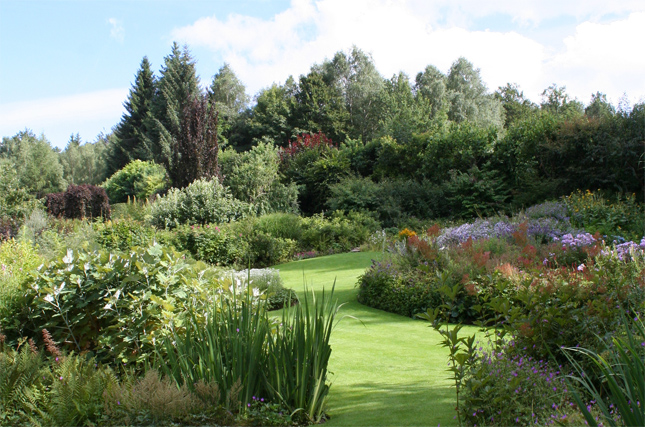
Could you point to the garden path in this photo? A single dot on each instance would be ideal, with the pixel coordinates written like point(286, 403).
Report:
point(388, 370)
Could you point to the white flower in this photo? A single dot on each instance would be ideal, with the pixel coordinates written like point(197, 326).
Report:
point(49, 298)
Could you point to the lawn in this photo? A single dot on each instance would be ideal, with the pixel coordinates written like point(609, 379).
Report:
point(388, 370)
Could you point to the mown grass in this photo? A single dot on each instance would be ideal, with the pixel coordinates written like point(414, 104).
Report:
point(389, 370)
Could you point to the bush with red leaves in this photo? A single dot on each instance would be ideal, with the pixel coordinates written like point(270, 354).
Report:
point(79, 201)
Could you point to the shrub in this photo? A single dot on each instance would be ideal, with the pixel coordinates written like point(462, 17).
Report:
point(121, 235)
point(406, 293)
point(313, 163)
point(339, 233)
point(392, 201)
point(138, 180)
point(202, 202)
point(502, 389)
point(212, 244)
point(18, 259)
point(476, 192)
point(265, 250)
point(253, 177)
point(283, 225)
point(55, 204)
point(621, 218)
point(128, 301)
point(79, 201)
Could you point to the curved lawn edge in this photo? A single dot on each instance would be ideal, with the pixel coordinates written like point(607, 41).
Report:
point(387, 370)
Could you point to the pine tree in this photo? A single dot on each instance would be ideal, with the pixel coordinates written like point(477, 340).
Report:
point(176, 88)
point(130, 142)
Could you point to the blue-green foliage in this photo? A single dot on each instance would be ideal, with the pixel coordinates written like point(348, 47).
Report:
point(202, 202)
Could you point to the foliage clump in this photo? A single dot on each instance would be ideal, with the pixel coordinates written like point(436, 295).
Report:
point(79, 202)
point(202, 202)
point(137, 180)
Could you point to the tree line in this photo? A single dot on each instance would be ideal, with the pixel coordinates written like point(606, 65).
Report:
point(444, 136)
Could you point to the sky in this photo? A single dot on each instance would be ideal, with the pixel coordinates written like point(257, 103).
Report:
point(66, 67)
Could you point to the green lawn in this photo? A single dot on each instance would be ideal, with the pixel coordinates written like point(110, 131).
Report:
point(388, 370)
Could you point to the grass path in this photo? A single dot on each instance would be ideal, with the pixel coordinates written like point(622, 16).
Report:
point(388, 370)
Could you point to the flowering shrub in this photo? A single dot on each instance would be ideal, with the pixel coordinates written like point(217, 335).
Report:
point(506, 389)
point(540, 229)
point(556, 210)
point(620, 219)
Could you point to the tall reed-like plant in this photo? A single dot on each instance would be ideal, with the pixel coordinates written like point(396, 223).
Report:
point(299, 353)
point(249, 354)
point(228, 349)
point(622, 368)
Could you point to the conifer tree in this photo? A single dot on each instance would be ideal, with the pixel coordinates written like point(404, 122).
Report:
point(130, 136)
point(176, 88)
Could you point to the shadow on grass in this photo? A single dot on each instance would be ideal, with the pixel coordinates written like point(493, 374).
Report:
point(373, 403)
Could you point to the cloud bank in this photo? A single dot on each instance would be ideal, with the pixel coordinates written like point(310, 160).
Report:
point(409, 35)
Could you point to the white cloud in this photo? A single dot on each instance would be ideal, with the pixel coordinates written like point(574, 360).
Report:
point(602, 57)
point(266, 51)
point(117, 32)
point(407, 35)
point(87, 114)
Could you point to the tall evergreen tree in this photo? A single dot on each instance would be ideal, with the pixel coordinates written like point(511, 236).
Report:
point(130, 135)
point(177, 86)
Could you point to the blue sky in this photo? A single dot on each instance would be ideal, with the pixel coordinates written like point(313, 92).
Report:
point(66, 66)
